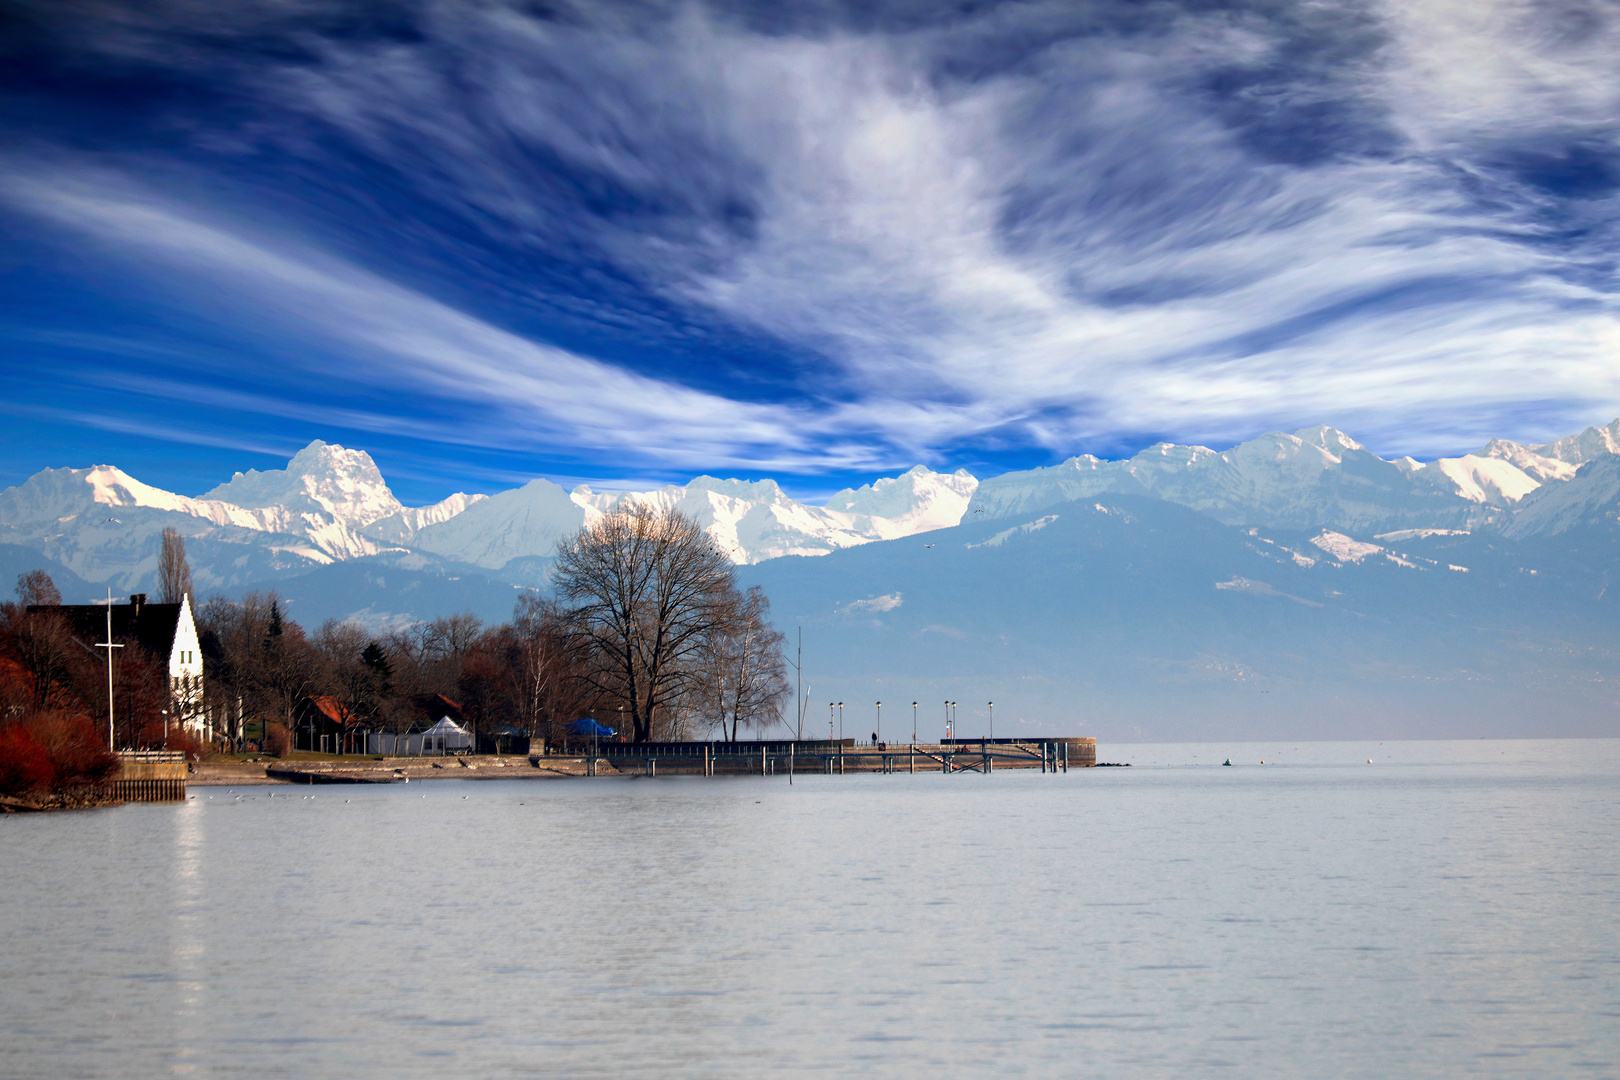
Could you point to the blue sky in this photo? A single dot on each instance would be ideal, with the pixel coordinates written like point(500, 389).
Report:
point(633, 242)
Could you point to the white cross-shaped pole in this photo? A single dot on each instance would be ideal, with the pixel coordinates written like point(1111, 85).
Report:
point(109, 645)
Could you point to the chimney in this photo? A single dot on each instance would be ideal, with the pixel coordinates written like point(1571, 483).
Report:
point(136, 600)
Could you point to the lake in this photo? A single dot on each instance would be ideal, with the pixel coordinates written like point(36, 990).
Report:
point(1451, 907)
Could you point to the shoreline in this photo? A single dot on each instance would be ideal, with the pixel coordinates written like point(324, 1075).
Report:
point(81, 799)
point(769, 759)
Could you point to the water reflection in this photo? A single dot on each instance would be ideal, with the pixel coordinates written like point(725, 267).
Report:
point(1443, 910)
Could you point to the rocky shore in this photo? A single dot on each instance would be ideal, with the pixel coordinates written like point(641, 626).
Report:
point(76, 799)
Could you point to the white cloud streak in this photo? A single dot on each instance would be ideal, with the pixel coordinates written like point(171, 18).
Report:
point(1069, 251)
point(393, 333)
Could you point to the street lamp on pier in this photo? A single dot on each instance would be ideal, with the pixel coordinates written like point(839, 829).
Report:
point(914, 723)
point(877, 734)
point(992, 706)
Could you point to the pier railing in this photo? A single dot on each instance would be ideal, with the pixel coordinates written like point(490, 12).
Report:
point(700, 749)
point(840, 755)
point(150, 776)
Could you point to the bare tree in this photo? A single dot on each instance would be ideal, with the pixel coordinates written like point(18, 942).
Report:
point(404, 671)
point(347, 673)
point(40, 639)
point(449, 637)
point(258, 657)
point(645, 590)
point(743, 675)
point(174, 573)
point(36, 589)
point(546, 691)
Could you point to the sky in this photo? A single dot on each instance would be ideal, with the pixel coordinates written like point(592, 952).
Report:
point(631, 242)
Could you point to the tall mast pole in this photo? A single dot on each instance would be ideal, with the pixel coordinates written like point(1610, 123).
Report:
point(109, 645)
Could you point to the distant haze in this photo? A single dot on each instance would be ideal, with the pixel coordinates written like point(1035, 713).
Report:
point(1295, 586)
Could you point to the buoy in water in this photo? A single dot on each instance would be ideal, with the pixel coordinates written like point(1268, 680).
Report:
point(1228, 761)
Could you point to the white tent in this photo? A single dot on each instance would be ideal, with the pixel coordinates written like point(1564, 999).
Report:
point(444, 736)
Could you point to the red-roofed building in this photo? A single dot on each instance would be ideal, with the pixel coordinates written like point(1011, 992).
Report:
point(322, 723)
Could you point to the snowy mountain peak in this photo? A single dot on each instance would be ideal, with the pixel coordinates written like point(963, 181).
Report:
point(1172, 455)
point(1488, 480)
point(1589, 499)
point(323, 478)
point(331, 503)
point(750, 490)
point(1589, 445)
point(1328, 438)
point(1527, 460)
point(918, 489)
point(54, 497)
point(112, 486)
point(1316, 477)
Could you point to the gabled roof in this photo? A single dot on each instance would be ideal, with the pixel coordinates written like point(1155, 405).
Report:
point(434, 706)
point(151, 626)
point(332, 709)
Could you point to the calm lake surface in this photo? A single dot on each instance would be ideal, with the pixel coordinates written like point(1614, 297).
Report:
point(1451, 908)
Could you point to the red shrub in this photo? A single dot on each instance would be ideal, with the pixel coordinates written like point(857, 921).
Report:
point(24, 765)
point(74, 747)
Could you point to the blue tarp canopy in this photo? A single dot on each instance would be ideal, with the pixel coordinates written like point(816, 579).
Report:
point(590, 729)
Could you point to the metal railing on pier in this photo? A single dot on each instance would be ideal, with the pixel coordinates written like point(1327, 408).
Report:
point(150, 776)
point(839, 756)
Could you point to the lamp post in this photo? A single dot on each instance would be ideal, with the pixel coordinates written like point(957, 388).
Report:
point(914, 723)
point(840, 719)
point(878, 734)
point(992, 721)
point(947, 721)
point(829, 721)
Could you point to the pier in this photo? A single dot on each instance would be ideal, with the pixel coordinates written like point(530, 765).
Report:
point(789, 758)
point(150, 776)
point(840, 756)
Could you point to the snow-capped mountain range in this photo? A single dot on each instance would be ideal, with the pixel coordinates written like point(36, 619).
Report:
point(331, 504)
point(1296, 584)
point(1316, 477)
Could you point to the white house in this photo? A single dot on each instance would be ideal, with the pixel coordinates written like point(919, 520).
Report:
point(186, 671)
point(165, 631)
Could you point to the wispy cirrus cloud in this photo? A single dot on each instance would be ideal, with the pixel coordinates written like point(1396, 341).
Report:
point(392, 333)
point(724, 238)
